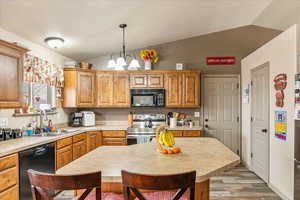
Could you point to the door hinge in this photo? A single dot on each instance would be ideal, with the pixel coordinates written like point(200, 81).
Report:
point(238, 119)
point(238, 152)
point(251, 155)
point(251, 119)
point(237, 85)
point(251, 83)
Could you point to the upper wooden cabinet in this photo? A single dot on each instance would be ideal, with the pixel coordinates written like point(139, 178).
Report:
point(90, 88)
point(149, 80)
point(11, 76)
point(79, 90)
point(182, 89)
point(173, 85)
point(113, 89)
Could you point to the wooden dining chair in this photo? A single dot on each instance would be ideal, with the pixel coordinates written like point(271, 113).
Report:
point(161, 186)
point(43, 183)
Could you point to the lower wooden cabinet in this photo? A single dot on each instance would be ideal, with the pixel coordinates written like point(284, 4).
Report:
point(187, 133)
point(92, 140)
point(114, 138)
point(79, 149)
point(64, 156)
point(9, 177)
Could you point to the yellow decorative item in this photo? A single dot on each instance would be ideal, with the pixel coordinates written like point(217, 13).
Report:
point(165, 141)
point(149, 55)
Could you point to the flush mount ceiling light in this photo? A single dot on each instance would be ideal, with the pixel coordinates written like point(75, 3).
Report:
point(54, 42)
point(121, 61)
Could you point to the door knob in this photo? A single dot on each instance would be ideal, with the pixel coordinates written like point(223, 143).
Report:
point(264, 130)
point(206, 126)
point(206, 120)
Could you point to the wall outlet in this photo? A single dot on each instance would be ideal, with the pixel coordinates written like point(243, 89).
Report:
point(3, 122)
point(197, 114)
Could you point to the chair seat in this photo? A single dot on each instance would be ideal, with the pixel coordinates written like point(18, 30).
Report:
point(104, 196)
point(164, 195)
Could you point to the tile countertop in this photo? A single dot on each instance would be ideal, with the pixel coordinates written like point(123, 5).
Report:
point(206, 155)
point(20, 144)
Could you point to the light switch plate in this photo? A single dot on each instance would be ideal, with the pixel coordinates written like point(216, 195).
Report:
point(3, 122)
point(197, 114)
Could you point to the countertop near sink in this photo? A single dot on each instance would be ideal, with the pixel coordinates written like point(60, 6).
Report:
point(20, 144)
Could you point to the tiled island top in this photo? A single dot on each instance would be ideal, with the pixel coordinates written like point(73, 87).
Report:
point(207, 156)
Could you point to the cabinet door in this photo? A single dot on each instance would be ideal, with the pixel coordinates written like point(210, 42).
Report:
point(138, 80)
point(192, 133)
point(92, 141)
point(173, 85)
point(79, 149)
point(10, 80)
point(99, 137)
point(155, 80)
point(105, 92)
point(86, 89)
point(191, 89)
point(63, 156)
point(121, 90)
point(177, 133)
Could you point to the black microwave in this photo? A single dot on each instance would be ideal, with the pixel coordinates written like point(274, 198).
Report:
point(147, 97)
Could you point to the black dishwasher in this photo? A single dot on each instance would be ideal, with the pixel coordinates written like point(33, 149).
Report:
point(41, 158)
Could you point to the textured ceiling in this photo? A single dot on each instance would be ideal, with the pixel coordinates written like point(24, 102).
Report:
point(90, 27)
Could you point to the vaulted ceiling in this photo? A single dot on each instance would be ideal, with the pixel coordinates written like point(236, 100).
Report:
point(90, 27)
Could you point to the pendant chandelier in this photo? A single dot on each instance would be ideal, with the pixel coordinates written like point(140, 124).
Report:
point(121, 63)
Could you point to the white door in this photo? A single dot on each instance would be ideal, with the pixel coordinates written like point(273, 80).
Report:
point(221, 110)
point(260, 121)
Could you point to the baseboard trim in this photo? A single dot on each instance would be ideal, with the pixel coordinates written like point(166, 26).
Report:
point(278, 192)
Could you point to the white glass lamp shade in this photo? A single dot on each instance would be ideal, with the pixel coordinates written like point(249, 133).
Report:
point(134, 65)
point(119, 68)
point(54, 42)
point(111, 64)
point(121, 62)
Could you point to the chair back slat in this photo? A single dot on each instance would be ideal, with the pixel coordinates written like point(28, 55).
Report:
point(132, 182)
point(41, 183)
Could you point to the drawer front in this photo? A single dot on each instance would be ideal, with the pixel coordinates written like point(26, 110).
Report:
point(177, 133)
point(192, 133)
point(8, 162)
point(114, 141)
point(114, 134)
point(92, 141)
point(64, 156)
point(63, 142)
point(79, 137)
point(10, 194)
point(9, 178)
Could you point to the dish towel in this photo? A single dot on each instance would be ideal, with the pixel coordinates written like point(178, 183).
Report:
point(141, 139)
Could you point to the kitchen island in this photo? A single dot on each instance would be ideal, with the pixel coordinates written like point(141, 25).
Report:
point(207, 156)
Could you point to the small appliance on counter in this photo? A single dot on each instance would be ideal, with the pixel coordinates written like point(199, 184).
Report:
point(7, 134)
point(75, 119)
point(88, 118)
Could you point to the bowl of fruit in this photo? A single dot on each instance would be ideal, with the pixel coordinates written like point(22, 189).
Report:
point(165, 141)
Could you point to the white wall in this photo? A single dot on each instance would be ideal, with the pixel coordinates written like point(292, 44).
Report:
point(43, 53)
point(281, 52)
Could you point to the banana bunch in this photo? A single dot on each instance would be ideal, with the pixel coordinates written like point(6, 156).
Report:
point(166, 138)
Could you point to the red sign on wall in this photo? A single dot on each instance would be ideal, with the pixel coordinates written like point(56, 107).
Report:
point(220, 60)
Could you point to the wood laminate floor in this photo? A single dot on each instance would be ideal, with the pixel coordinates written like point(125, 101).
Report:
point(236, 184)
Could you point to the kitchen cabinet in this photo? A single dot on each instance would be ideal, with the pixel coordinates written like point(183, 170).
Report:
point(176, 133)
point(93, 140)
point(121, 89)
point(173, 86)
point(79, 145)
point(11, 76)
point(114, 138)
point(113, 89)
point(192, 133)
point(182, 89)
point(79, 88)
point(64, 152)
point(105, 91)
point(149, 80)
point(9, 177)
point(191, 89)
